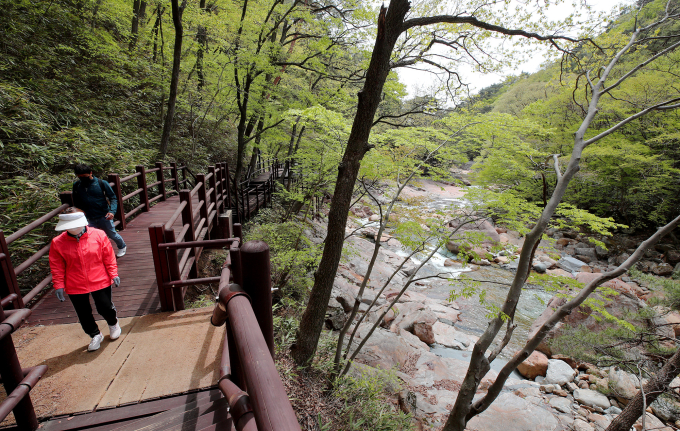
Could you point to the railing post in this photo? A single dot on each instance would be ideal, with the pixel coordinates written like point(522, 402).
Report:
point(213, 186)
point(160, 176)
point(173, 265)
point(257, 283)
point(184, 174)
point(202, 196)
point(8, 282)
point(224, 225)
point(67, 197)
point(248, 205)
point(235, 257)
point(175, 175)
point(188, 215)
point(118, 191)
point(12, 375)
point(160, 262)
point(216, 183)
point(228, 186)
point(141, 184)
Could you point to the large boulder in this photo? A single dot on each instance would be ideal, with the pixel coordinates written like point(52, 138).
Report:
point(535, 365)
point(571, 264)
point(662, 269)
point(666, 408)
point(448, 336)
point(512, 413)
point(622, 385)
point(559, 372)
point(385, 349)
point(482, 226)
point(591, 398)
point(651, 423)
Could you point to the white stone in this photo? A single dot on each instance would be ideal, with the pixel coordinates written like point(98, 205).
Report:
point(591, 398)
point(559, 372)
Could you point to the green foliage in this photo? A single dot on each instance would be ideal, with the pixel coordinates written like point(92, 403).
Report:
point(365, 405)
point(293, 255)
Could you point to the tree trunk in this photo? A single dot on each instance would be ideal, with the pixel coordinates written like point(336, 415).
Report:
point(138, 13)
point(202, 38)
point(389, 28)
point(655, 387)
point(176, 57)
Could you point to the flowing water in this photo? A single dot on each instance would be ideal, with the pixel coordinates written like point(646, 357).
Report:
point(494, 282)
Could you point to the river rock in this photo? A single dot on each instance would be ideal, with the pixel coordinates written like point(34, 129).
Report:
point(589, 252)
point(666, 409)
point(512, 413)
point(374, 217)
point(541, 268)
point(591, 398)
point(559, 372)
point(453, 263)
point(422, 327)
point(601, 422)
point(447, 315)
point(448, 336)
point(483, 226)
point(384, 349)
point(535, 365)
point(570, 264)
point(560, 404)
point(662, 269)
point(651, 423)
point(622, 385)
point(673, 257)
point(581, 425)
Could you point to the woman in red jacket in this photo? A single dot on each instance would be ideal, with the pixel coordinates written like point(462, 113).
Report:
point(83, 264)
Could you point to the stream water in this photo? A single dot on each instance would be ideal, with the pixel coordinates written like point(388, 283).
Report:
point(494, 281)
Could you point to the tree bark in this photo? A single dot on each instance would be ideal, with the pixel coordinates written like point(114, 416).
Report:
point(138, 13)
point(655, 387)
point(389, 28)
point(176, 57)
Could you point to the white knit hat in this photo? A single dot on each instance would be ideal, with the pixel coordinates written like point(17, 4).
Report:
point(71, 221)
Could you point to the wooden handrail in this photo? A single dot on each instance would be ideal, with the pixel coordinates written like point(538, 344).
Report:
point(195, 189)
point(31, 260)
point(210, 243)
point(26, 229)
point(148, 171)
point(175, 215)
point(131, 195)
point(129, 177)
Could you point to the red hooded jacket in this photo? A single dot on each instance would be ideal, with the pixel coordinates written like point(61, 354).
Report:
point(82, 265)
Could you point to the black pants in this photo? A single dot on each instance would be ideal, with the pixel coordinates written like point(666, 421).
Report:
point(102, 300)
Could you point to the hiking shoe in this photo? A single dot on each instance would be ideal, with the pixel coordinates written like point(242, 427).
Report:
point(95, 343)
point(114, 331)
point(121, 252)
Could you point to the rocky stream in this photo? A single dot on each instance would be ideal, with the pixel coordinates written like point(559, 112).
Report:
point(426, 339)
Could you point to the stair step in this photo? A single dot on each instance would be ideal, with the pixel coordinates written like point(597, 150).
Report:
point(104, 420)
point(173, 417)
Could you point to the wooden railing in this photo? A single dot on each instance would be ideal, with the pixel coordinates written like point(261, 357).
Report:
point(244, 207)
point(8, 279)
point(199, 225)
point(17, 381)
point(248, 375)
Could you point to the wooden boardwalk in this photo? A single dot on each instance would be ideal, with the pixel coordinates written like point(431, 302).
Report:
point(137, 294)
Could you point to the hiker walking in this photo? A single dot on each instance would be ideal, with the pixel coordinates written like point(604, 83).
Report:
point(90, 194)
point(83, 264)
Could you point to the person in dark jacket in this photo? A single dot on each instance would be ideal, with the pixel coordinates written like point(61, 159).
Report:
point(90, 194)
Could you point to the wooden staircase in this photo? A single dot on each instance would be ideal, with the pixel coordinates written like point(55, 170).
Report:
point(200, 411)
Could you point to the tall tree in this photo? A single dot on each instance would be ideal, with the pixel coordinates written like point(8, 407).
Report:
point(177, 12)
point(391, 26)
